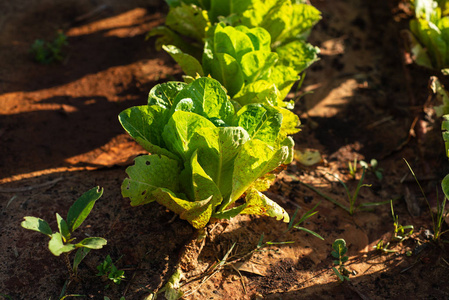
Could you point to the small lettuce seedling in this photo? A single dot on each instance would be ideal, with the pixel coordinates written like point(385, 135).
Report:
point(338, 252)
point(63, 241)
point(206, 153)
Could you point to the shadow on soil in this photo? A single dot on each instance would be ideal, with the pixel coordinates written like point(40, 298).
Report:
point(80, 125)
point(86, 54)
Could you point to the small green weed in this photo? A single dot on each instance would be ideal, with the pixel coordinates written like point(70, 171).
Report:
point(381, 246)
point(108, 269)
point(338, 252)
point(48, 52)
point(400, 232)
point(62, 241)
point(441, 214)
point(352, 198)
point(352, 167)
point(373, 166)
point(304, 217)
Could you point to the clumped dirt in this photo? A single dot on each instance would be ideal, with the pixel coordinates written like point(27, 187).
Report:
point(60, 137)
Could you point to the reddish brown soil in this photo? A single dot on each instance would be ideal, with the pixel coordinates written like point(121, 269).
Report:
point(59, 122)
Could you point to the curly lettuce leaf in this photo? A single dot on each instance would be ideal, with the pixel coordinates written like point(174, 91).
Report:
point(256, 203)
point(166, 36)
point(189, 64)
point(196, 213)
point(205, 97)
point(145, 125)
point(163, 94)
point(227, 71)
point(186, 132)
point(148, 174)
point(257, 63)
point(290, 122)
point(260, 91)
point(298, 54)
point(283, 77)
point(203, 185)
point(232, 41)
point(255, 159)
point(259, 204)
point(260, 38)
point(261, 122)
point(188, 20)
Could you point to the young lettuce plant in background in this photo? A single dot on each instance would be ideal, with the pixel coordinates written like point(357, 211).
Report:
point(254, 48)
point(285, 20)
point(241, 59)
point(205, 153)
point(429, 38)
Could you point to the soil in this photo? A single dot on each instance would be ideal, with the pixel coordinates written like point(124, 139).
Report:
point(60, 137)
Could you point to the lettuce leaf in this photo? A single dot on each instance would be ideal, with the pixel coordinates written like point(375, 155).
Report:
point(149, 173)
point(429, 44)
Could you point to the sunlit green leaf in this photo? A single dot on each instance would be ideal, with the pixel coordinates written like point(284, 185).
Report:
point(37, 224)
point(79, 211)
point(92, 243)
point(57, 246)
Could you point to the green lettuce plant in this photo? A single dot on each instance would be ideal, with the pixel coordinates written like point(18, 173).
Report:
point(256, 49)
point(285, 20)
point(206, 153)
point(241, 59)
point(429, 41)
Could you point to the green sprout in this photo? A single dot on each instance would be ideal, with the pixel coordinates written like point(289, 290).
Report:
point(352, 198)
point(304, 217)
point(48, 52)
point(373, 166)
point(441, 214)
point(108, 269)
point(63, 241)
point(381, 246)
point(352, 167)
point(338, 252)
point(400, 232)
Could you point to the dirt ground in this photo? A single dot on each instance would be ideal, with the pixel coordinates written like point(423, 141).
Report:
point(60, 136)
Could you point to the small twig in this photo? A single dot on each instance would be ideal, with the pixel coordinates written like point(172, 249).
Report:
point(241, 279)
point(32, 187)
point(379, 122)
